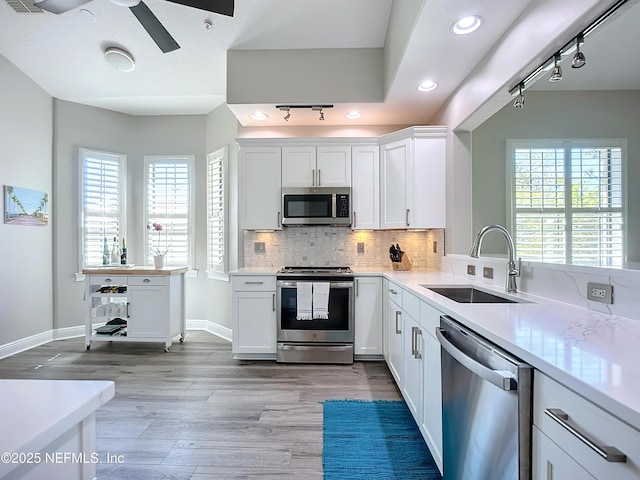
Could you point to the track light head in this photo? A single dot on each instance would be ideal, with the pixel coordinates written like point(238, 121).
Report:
point(556, 74)
point(519, 102)
point(579, 59)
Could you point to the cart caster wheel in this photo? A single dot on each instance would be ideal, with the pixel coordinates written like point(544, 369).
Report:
point(166, 349)
point(88, 347)
point(181, 339)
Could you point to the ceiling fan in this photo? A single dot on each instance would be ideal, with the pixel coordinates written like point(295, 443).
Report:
point(145, 16)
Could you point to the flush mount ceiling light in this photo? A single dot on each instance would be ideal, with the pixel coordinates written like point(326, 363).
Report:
point(519, 102)
point(353, 115)
point(466, 25)
point(578, 59)
point(259, 116)
point(119, 59)
point(427, 86)
point(556, 74)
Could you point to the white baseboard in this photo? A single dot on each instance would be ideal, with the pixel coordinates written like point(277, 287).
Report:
point(26, 343)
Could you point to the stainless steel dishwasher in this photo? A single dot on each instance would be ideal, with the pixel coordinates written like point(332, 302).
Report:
point(486, 408)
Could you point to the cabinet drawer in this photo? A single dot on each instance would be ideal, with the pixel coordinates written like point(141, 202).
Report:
point(411, 305)
point(395, 293)
point(253, 283)
point(593, 424)
point(108, 280)
point(150, 280)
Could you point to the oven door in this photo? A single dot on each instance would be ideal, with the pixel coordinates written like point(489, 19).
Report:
point(338, 328)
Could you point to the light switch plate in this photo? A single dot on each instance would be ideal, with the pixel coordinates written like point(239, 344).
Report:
point(471, 269)
point(487, 272)
point(360, 247)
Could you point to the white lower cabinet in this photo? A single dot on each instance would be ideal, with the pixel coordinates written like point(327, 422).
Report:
point(581, 433)
point(550, 462)
point(368, 316)
point(253, 312)
point(413, 367)
point(393, 331)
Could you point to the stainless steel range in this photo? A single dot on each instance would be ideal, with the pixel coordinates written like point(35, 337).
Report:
point(315, 314)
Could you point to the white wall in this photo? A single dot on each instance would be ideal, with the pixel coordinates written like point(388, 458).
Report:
point(25, 161)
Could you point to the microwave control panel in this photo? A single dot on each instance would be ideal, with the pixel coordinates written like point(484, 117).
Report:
point(342, 205)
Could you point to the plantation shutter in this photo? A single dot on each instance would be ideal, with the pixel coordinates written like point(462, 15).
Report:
point(102, 203)
point(216, 212)
point(568, 202)
point(168, 202)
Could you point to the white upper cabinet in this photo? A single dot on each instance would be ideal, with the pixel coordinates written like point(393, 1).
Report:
point(365, 189)
point(260, 188)
point(412, 179)
point(325, 166)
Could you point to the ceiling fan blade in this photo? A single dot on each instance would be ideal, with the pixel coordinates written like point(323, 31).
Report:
point(59, 6)
point(223, 7)
point(154, 28)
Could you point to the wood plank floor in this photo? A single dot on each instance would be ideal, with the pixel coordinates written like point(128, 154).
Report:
point(197, 414)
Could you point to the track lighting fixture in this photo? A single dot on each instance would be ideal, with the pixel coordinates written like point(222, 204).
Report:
point(556, 74)
point(519, 102)
point(317, 108)
point(578, 59)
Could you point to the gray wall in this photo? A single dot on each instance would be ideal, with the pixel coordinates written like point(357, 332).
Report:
point(551, 115)
point(25, 161)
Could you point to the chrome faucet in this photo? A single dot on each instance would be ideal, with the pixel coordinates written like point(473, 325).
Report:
point(512, 271)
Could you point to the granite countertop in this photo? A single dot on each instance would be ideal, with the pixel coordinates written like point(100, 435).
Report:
point(134, 270)
point(36, 412)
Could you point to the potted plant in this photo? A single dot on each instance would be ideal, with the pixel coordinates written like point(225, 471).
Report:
point(157, 252)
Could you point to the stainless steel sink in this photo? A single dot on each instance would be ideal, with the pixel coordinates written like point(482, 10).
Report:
point(468, 294)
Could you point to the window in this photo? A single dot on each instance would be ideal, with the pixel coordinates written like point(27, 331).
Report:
point(568, 201)
point(168, 201)
point(102, 203)
point(216, 211)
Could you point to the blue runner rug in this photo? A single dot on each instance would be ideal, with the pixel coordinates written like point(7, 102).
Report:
point(374, 440)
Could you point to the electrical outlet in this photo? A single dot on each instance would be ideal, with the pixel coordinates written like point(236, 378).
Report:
point(471, 269)
point(360, 247)
point(600, 292)
point(258, 247)
point(487, 272)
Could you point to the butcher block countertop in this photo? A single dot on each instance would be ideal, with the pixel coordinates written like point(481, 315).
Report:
point(135, 270)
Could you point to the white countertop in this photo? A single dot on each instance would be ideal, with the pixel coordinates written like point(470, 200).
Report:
point(36, 412)
point(595, 354)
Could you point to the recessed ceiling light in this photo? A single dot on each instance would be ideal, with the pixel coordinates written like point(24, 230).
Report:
point(353, 115)
point(427, 86)
point(119, 59)
point(466, 25)
point(259, 116)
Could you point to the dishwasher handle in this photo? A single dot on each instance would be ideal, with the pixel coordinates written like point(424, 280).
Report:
point(499, 379)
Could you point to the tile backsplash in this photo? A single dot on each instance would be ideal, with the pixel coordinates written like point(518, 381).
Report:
point(322, 246)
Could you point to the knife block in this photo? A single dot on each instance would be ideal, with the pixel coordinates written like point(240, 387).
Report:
point(404, 263)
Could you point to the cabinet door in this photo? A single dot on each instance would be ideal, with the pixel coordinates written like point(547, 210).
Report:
point(254, 322)
point(428, 209)
point(365, 187)
point(260, 173)
point(333, 166)
point(413, 366)
point(299, 167)
point(148, 311)
point(394, 329)
point(550, 462)
point(368, 316)
point(394, 188)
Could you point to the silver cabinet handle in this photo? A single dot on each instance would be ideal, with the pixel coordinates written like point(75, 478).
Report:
point(408, 217)
point(313, 177)
point(392, 291)
point(128, 310)
point(279, 219)
point(354, 220)
point(107, 280)
point(319, 183)
point(413, 342)
point(398, 330)
point(146, 280)
point(357, 284)
point(417, 355)
point(253, 283)
point(499, 379)
point(610, 454)
point(273, 302)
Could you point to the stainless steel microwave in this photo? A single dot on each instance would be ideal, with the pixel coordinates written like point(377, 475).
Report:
point(316, 206)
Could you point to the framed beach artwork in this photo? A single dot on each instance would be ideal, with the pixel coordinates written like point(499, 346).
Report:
point(23, 206)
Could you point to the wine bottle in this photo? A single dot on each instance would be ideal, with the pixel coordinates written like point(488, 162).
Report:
point(123, 254)
point(115, 252)
point(105, 253)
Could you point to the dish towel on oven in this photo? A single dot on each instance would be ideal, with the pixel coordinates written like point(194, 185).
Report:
point(321, 300)
point(304, 292)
